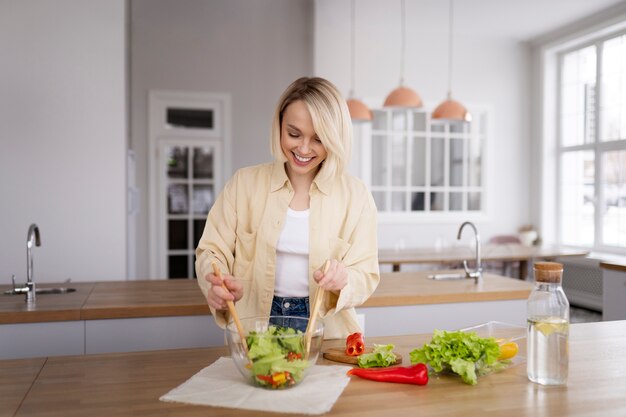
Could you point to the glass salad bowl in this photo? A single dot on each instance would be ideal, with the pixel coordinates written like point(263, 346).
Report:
point(275, 353)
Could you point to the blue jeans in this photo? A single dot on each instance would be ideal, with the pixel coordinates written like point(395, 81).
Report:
point(290, 306)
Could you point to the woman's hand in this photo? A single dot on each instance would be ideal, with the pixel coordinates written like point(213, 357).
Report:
point(218, 296)
point(334, 279)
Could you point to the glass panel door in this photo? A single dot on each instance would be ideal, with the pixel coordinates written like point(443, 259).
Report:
point(188, 190)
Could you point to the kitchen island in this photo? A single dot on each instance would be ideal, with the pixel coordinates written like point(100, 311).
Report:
point(130, 384)
point(123, 316)
point(490, 252)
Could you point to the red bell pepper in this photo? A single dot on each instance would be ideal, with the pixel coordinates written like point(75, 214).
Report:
point(355, 345)
point(416, 374)
point(278, 379)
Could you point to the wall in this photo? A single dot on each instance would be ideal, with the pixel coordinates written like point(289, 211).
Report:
point(62, 143)
point(487, 71)
point(250, 49)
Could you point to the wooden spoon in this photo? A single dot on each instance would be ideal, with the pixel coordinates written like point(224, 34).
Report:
point(232, 309)
point(317, 303)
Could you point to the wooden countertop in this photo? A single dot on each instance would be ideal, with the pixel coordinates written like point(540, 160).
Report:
point(107, 300)
point(130, 384)
point(16, 378)
point(133, 299)
point(614, 265)
point(410, 288)
point(489, 252)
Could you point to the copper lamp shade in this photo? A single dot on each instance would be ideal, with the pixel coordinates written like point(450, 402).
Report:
point(403, 97)
point(452, 110)
point(359, 112)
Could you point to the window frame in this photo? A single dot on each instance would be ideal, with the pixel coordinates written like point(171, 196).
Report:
point(597, 146)
point(362, 165)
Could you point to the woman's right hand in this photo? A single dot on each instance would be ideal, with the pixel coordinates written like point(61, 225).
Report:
point(218, 296)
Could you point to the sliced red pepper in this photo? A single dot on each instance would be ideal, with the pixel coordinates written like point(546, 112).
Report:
point(355, 345)
point(292, 356)
point(416, 374)
point(277, 379)
point(266, 378)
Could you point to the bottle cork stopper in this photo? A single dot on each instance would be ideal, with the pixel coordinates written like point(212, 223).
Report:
point(548, 272)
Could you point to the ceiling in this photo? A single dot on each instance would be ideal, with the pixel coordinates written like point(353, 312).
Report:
point(523, 19)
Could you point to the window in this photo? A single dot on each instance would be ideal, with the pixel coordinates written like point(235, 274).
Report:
point(419, 167)
point(591, 151)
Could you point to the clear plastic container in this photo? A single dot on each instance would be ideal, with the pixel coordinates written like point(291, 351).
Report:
point(503, 333)
point(548, 327)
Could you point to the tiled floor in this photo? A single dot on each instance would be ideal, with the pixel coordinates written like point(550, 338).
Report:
point(582, 315)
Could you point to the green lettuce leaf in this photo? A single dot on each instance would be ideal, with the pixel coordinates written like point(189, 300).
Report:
point(464, 353)
point(268, 353)
point(382, 355)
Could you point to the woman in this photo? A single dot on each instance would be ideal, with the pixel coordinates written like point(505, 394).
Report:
point(275, 225)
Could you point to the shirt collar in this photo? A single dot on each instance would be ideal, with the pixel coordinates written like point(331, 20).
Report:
point(279, 179)
point(279, 176)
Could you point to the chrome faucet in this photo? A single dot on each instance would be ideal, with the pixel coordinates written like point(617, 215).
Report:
point(32, 238)
point(477, 273)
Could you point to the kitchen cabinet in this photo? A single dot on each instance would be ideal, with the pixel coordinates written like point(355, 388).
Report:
point(151, 333)
point(31, 340)
point(398, 320)
point(613, 290)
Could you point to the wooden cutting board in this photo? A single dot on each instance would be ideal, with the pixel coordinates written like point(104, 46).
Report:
point(339, 355)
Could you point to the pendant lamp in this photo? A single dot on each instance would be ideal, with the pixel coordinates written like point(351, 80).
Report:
point(451, 109)
point(403, 96)
point(359, 112)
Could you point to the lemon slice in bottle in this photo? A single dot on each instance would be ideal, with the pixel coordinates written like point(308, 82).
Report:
point(548, 327)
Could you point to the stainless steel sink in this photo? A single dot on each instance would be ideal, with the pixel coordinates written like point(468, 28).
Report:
point(57, 290)
point(446, 277)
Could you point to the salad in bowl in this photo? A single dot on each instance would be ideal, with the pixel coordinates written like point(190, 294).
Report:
point(274, 355)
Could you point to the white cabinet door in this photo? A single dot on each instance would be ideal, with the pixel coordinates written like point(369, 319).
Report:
point(424, 318)
point(151, 333)
point(32, 340)
point(613, 295)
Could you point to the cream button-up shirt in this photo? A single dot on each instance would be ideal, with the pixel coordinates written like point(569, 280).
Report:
point(244, 224)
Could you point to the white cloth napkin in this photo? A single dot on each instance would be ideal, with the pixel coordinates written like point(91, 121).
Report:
point(221, 385)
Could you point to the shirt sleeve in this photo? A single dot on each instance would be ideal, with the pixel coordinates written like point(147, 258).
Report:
point(360, 260)
point(217, 243)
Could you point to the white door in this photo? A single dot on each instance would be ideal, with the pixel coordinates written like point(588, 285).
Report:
point(189, 141)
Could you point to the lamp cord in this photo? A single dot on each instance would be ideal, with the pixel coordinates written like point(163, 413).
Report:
point(352, 48)
point(402, 44)
point(450, 46)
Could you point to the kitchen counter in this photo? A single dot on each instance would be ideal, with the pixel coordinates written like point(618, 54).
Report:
point(613, 288)
point(134, 299)
point(614, 265)
point(131, 316)
point(130, 384)
point(490, 252)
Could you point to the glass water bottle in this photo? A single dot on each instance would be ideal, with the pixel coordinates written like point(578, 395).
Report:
point(548, 326)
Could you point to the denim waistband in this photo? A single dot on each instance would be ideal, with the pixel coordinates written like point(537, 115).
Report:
point(290, 306)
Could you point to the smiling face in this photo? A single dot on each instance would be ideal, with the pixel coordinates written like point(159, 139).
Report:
point(299, 142)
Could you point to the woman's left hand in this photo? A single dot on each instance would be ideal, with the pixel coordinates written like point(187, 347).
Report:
point(334, 279)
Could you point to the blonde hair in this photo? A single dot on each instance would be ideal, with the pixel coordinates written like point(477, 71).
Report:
point(331, 121)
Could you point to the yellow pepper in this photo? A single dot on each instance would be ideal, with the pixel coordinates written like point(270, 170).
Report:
point(279, 378)
point(508, 350)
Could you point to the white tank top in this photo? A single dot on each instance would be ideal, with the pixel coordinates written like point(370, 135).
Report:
point(292, 256)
